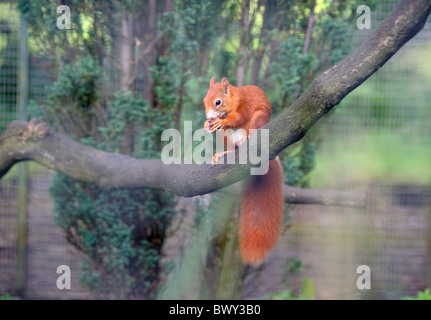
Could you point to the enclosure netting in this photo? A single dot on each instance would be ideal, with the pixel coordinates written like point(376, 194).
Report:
point(9, 26)
point(47, 247)
point(377, 142)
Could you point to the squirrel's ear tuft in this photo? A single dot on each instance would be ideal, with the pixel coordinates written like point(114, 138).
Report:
point(212, 82)
point(225, 85)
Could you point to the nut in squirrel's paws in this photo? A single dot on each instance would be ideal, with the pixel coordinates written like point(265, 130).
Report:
point(207, 125)
point(216, 125)
point(213, 124)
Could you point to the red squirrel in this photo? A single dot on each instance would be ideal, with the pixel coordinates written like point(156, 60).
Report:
point(262, 200)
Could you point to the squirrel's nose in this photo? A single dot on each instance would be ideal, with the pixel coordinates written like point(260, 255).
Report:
point(212, 115)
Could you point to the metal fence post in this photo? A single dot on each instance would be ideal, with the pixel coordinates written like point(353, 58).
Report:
point(22, 99)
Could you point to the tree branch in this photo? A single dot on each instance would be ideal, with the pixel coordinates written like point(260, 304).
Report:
point(35, 141)
point(326, 197)
point(339, 198)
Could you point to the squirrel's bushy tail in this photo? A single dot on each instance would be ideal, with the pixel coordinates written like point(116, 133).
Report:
point(261, 219)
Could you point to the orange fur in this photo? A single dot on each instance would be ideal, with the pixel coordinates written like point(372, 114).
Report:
point(261, 217)
point(262, 200)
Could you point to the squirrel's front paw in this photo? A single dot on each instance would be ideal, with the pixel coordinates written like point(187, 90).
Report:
point(214, 159)
point(213, 125)
point(217, 124)
point(207, 125)
point(217, 156)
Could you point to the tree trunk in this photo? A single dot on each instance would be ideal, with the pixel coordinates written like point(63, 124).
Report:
point(244, 38)
point(150, 58)
point(261, 47)
point(126, 58)
point(309, 31)
point(164, 45)
point(273, 47)
point(229, 273)
point(126, 51)
point(274, 23)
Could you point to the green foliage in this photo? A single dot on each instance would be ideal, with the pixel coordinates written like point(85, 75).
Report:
point(191, 29)
point(166, 82)
point(298, 163)
point(120, 232)
point(77, 84)
point(334, 44)
point(71, 99)
point(6, 296)
point(89, 27)
point(289, 67)
point(124, 109)
point(223, 63)
point(294, 265)
point(422, 295)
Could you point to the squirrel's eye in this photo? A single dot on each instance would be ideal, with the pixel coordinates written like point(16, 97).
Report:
point(218, 102)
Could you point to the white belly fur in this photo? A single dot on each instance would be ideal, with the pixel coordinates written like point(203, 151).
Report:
point(235, 136)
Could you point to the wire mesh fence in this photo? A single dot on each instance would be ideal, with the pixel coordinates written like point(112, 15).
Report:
point(9, 26)
point(377, 142)
point(47, 247)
